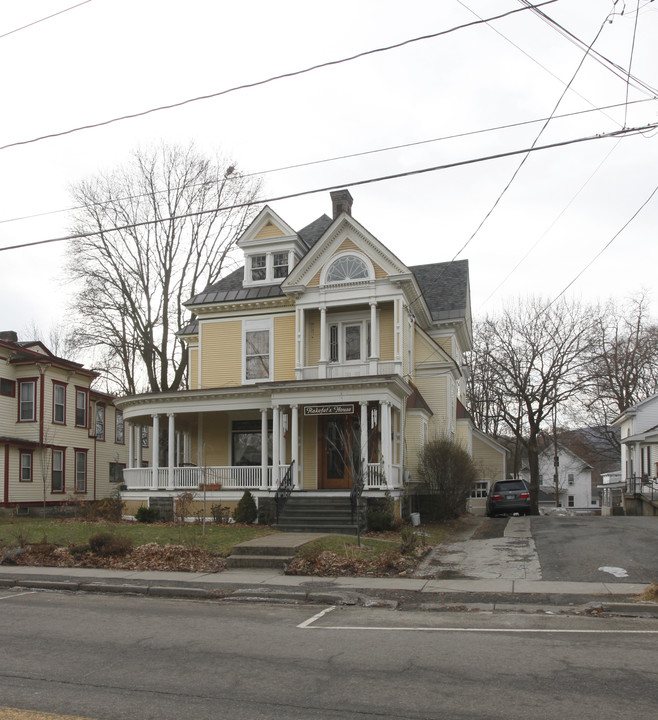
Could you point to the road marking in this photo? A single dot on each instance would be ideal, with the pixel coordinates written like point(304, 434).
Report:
point(317, 616)
point(8, 597)
point(617, 572)
point(562, 631)
point(8, 713)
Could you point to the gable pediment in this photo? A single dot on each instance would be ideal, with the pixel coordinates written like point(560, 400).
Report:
point(344, 236)
point(265, 229)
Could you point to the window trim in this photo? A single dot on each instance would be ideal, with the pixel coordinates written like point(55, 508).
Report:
point(25, 453)
point(21, 382)
point(277, 266)
point(62, 451)
point(340, 256)
point(258, 325)
point(11, 394)
point(258, 268)
point(78, 392)
point(337, 339)
point(58, 384)
point(121, 466)
point(80, 452)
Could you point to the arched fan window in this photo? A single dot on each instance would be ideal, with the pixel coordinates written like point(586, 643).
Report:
point(347, 267)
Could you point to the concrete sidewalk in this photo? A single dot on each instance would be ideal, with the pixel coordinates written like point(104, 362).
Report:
point(274, 586)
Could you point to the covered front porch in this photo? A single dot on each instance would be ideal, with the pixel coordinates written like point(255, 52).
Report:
point(214, 440)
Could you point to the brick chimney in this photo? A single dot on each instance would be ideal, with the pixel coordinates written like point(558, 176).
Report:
point(342, 202)
point(8, 336)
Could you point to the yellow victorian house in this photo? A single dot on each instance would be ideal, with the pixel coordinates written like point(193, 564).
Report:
point(318, 369)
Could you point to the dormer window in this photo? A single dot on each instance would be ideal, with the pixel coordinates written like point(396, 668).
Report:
point(258, 267)
point(347, 268)
point(280, 265)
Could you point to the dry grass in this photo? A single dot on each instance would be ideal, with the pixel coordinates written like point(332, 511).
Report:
point(650, 594)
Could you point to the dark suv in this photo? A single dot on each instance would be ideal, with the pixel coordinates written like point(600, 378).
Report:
point(508, 496)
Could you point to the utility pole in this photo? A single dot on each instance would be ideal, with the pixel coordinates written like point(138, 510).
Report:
point(556, 461)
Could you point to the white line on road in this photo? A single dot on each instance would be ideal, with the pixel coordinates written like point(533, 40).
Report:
point(8, 597)
point(481, 630)
point(317, 616)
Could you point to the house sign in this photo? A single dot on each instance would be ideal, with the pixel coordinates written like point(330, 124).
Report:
point(328, 409)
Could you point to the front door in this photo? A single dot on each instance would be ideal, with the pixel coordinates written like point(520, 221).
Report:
point(338, 451)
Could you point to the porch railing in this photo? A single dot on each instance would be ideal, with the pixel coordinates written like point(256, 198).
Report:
point(230, 477)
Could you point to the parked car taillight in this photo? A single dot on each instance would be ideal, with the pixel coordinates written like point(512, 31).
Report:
point(524, 495)
point(496, 497)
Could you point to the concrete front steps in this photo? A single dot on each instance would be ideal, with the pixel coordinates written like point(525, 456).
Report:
point(271, 551)
point(321, 514)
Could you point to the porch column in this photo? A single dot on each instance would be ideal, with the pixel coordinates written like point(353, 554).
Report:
point(374, 339)
point(386, 441)
point(156, 450)
point(294, 443)
point(300, 360)
point(322, 364)
point(128, 429)
point(137, 430)
point(276, 446)
point(364, 441)
point(171, 451)
point(263, 449)
point(187, 452)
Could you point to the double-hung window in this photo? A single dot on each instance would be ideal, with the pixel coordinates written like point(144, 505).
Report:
point(59, 403)
point(58, 471)
point(26, 465)
point(258, 267)
point(257, 348)
point(7, 387)
point(27, 400)
point(81, 403)
point(81, 471)
point(280, 265)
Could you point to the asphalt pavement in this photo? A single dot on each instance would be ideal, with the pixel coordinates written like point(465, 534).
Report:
point(485, 567)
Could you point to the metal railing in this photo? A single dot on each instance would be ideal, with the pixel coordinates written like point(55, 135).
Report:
point(644, 486)
point(284, 490)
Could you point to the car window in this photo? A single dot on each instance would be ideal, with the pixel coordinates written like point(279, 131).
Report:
point(509, 485)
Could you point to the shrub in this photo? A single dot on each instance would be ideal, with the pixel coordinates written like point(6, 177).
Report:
point(246, 510)
point(447, 474)
point(111, 508)
point(380, 517)
point(183, 506)
point(408, 540)
point(106, 544)
point(266, 511)
point(220, 513)
point(147, 514)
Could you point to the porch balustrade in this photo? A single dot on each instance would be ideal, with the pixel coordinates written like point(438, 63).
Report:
point(338, 370)
point(191, 478)
point(232, 477)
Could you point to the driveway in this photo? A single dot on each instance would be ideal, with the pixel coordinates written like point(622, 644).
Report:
point(594, 549)
point(572, 549)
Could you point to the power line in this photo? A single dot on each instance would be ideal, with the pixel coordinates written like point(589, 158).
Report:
point(274, 78)
point(349, 156)
point(48, 17)
point(605, 247)
point(357, 183)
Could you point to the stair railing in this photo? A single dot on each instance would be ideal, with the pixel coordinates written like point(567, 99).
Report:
point(282, 494)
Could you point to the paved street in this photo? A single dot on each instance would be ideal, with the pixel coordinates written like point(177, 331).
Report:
point(115, 657)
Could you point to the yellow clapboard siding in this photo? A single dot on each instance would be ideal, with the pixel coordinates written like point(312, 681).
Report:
point(284, 348)
point(269, 230)
point(221, 354)
point(386, 332)
point(194, 368)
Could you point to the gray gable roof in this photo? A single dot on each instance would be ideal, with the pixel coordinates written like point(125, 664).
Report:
point(444, 287)
point(315, 230)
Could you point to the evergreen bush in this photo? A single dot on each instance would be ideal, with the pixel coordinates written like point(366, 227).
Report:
point(246, 510)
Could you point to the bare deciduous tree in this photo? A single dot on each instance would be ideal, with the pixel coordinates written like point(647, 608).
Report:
point(535, 355)
point(623, 368)
point(160, 235)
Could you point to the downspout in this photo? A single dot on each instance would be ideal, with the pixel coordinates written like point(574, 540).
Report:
point(6, 483)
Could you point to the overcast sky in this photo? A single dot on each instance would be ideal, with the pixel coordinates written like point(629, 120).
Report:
point(107, 58)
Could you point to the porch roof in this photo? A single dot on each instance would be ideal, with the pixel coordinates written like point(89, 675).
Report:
point(262, 395)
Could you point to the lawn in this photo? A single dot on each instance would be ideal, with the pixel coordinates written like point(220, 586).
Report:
point(218, 539)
